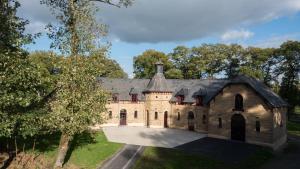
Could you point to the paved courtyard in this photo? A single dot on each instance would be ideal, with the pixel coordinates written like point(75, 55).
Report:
point(165, 137)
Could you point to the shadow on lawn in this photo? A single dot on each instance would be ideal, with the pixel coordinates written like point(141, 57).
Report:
point(80, 140)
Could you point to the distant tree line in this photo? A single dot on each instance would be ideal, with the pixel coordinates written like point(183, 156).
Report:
point(278, 68)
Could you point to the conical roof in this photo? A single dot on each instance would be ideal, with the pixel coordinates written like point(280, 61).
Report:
point(158, 83)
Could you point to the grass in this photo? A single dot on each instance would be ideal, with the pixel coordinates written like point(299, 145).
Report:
point(297, 110)
point(93, 153)
point(162, 158)
point(293, 128)
point(87, 150)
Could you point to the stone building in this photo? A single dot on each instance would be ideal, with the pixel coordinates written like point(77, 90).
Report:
point(241, 108)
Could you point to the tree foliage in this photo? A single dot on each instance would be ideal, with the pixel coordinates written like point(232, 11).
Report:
point(143, 64)
point(274, 66)
point(78, 100)
point(23, 86)
point(289, 54)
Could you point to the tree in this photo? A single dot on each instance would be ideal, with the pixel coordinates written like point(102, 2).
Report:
point(78, 101)
point(289, 53)
point(210, 59)
point(12, 27)
point(252, 62)
point(144, 64)
point(180, 57)
point(174, 74)
point(106, 67)
point(233, 59)
point(23, 87)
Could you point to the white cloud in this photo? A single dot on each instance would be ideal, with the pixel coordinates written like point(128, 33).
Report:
point(36, 27)
point(176, 20)
point(276, 41)
point(236, 35)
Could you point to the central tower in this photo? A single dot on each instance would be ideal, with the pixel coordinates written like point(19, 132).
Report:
point(157, 99)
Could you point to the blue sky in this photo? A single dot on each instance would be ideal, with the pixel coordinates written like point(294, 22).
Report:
point(138, 28)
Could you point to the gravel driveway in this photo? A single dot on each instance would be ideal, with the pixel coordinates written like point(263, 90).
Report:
point(164, 137)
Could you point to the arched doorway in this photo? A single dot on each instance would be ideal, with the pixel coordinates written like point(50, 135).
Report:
point(123, 117)
point(238, 127)
point(191, 121)
point(166, 120)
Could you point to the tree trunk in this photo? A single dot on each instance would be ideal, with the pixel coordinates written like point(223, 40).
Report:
point(62, 151)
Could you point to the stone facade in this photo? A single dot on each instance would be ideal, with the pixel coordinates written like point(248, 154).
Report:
point(255, 121)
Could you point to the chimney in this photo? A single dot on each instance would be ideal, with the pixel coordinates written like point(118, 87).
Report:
point(159, 67)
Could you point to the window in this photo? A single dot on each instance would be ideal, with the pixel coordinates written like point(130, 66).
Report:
point(239, 103)
point(135, 114)
point(115, 98)
point(220, 122)
point(199, 101)
point(134, 98)
point(178, 116)
point(257, 125)
point(156, 116)
point(204, 119)
point(180, 99)
point(110, 114)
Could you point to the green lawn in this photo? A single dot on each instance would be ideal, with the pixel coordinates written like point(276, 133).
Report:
point(90, 155)
point(87, 150)
point(293, 128)
point(297, 109)
point(162, 158)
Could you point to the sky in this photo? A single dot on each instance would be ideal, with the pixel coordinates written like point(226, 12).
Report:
point(164, 24)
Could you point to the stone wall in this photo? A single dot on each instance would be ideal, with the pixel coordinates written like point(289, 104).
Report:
point(183, 111)
point(279, 126)
point(130, 108)
point(255, 109)
point(160, 103)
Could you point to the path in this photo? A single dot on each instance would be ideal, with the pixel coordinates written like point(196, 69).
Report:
point(162, 137)
point(224, 150)
point(124, 159)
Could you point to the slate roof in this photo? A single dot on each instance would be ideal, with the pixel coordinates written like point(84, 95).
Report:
point(207, 88)
point(158, 84)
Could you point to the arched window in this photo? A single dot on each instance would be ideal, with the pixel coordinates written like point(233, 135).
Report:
point(220, 122)
point(135, 114)
point(156, 115)
point(204, 119)
point(191, 115)
point(257, 125)
point(178, 116)
point(110, 114)
point(239, 103)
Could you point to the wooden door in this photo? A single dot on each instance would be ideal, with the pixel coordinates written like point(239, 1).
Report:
point(166, 120)
point(123, 117)
point(191, 118)
point(238, 127)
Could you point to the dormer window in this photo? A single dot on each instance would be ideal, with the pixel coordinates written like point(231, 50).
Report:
point(134, 97)
point(199, 101)
point(180, 99)
point(115, 98)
